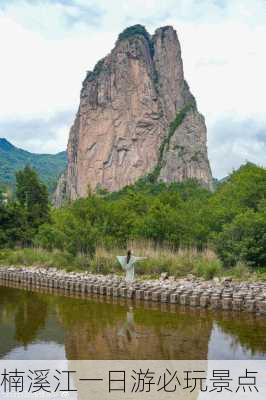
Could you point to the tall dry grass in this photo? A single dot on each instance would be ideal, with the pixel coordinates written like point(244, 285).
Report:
point(159, 259)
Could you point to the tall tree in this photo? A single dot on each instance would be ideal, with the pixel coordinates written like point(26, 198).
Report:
point(32, 196)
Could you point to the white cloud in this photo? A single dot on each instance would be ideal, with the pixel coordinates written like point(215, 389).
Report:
point(47, 46)
point(40, 134)
point(234, 141)
point(39, 75)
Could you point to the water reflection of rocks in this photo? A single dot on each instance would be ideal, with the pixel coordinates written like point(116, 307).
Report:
point(93, 329)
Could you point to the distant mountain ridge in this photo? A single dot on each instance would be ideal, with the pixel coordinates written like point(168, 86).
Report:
point(12, 159)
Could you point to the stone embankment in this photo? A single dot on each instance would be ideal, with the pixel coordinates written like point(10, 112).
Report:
point(216, 294)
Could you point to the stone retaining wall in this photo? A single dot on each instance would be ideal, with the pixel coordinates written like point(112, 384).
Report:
point(228, 296)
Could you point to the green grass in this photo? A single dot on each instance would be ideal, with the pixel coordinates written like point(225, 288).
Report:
point(244, 272)
point(162, 259)
point(42, 258)
point(176, 263)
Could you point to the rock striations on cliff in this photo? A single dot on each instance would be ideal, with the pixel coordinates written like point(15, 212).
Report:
point(136, 118)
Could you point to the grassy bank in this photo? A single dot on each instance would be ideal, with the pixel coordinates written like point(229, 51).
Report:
point(176, 263)
point(161, 259)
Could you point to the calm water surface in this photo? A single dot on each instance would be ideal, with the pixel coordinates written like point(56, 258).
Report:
point(44, 326)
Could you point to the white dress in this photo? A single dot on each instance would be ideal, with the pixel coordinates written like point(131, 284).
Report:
point(129, 267)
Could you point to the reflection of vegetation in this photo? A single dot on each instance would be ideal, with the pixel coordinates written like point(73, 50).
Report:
point(92, 327)
point(182, 333)
point(249, 331)
point(75, 312)
point(29, 311)
point(9, 300)
point(30, 317)
point(22, 317)
point(97, 314)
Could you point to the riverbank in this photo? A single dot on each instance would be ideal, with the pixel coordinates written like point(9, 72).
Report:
point(158, 260)
point(225, 294)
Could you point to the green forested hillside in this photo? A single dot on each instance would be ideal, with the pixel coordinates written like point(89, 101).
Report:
point(186, 227)
point(12, 159)
point(232, 220)
point(222, 228)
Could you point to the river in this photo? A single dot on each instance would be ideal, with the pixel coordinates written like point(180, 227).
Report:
point(36, 325)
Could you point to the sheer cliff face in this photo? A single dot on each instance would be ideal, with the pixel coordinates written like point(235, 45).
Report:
point(136, 118)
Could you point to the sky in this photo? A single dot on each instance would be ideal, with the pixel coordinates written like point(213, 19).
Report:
point(48, 45)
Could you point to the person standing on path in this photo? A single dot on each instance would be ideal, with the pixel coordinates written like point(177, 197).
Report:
point(127, 263)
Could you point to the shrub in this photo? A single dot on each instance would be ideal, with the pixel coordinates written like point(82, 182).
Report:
point(240, 271)
point(208, 269)
point(243, 240)
point(134, 30)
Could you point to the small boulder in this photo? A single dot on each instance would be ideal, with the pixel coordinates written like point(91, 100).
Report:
point(190, 277)
point(226, 281)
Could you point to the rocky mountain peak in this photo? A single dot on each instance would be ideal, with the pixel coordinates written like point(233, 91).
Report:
point(133, 31)
point(136, 118)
